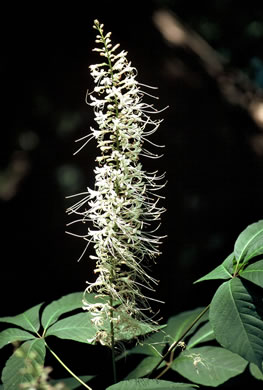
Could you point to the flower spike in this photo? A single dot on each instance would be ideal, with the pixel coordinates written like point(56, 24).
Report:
point(123, 204)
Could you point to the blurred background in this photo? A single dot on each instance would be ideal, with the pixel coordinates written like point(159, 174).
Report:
point(206, 59)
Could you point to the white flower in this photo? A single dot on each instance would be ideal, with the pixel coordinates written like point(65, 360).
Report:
point(123, 204)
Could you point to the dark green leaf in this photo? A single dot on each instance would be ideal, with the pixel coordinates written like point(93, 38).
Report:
point(254, 273)
point(150, 384)
point(249, 243)
point(63, 305)
point(77, 327)
point(209, 366)
point(11, 335)
point(13, 375)
point(223, 271)
point(28, 320)
point(236, 318)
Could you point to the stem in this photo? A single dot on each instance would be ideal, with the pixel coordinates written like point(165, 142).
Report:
point(68, 369)
point(112, 344)
point(175, 343)
point(168, 365)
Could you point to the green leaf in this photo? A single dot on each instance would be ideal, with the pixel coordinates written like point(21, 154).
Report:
point(77, 327)
point(209, 366)
point(249, 243)
point(28, 320)
point(150, 384)
point(63, 305)
point(204, 334)
point(11, 335)
point(256, 372)
point(13, 375)
point(70, 383)
point(223, 271)
point(236, 318)
point(177, 325)
point(254, 273)
point(145, 367)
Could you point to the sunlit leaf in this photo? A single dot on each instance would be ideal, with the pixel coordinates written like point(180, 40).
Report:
point(237, 321)
point(28, 320)
point(209, 366)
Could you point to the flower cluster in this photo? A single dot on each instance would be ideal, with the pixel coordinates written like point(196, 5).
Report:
point(124, 203)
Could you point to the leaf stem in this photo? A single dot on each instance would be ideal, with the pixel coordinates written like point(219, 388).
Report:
point(68, 369)
point(175, 344)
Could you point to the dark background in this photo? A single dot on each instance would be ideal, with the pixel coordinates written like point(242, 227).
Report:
point(213, 137)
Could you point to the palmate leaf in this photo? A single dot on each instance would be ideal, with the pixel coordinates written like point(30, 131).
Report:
point(223, 271)
point(13, 375)
point(12, 335)
point(150, 384)
point(254, 273)
point(209, 366)
point(249, 243)
point(28, 320)
point(63, 305)
point(77, 327)
point(237, 320)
